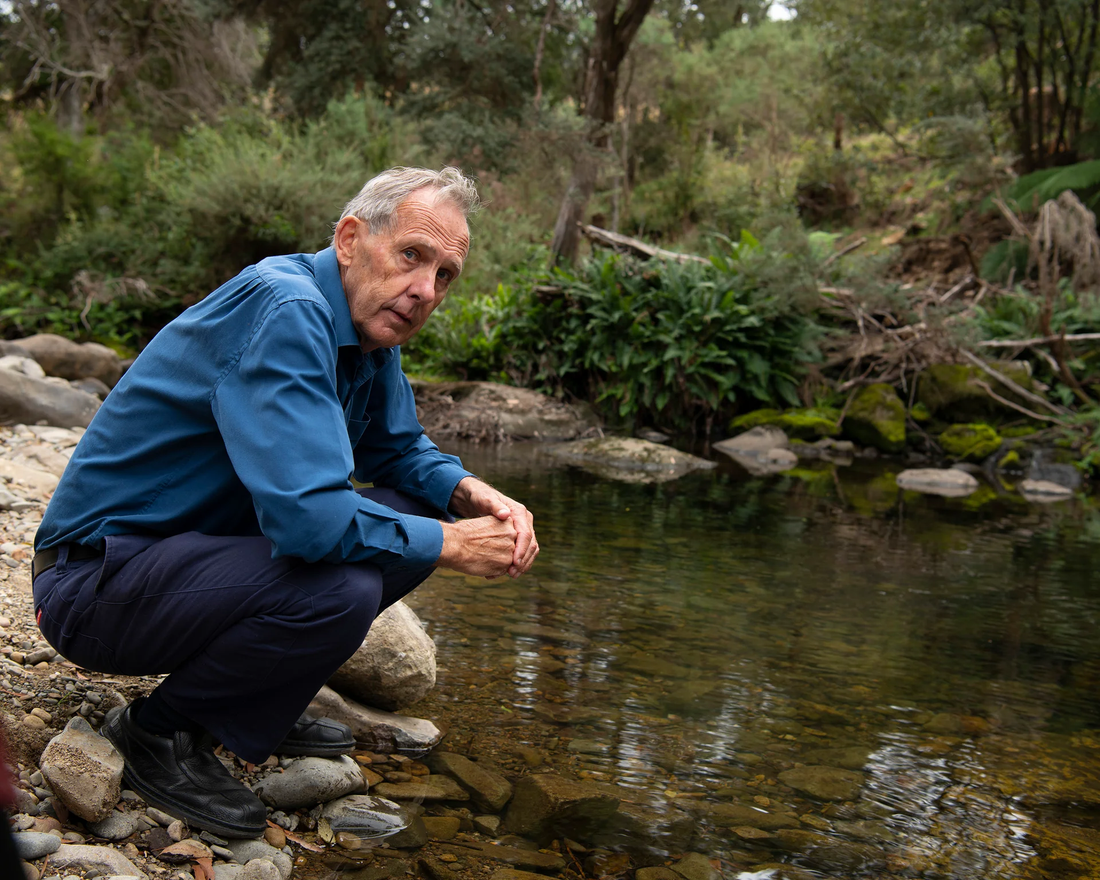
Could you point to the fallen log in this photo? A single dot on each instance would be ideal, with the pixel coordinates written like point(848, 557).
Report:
point(620, 242)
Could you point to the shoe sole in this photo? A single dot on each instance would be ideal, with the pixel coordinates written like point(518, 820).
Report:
point(194, 820)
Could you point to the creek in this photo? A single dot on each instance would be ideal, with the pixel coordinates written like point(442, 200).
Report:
point(696, 645)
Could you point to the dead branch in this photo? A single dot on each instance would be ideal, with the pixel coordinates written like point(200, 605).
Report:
point(618, 241)
point(1008, 383)
point(1039, 340)
point(1020, 409)
point(968, 283)
point(832, 258)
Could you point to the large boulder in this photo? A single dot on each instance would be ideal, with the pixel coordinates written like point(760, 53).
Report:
point(630, 459)
point(952, 393)
point(29, 400)
point(84, 771)
point(489, 411)
point(395, 665)
point(876, 417)
point(62, 357)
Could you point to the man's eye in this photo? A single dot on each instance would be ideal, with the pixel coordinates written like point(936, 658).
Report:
point(444, 275)
point(410, 254)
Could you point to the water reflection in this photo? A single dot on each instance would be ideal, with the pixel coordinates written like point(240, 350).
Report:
point(802, 671)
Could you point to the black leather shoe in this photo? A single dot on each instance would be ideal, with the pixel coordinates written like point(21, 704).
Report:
point(317, 738)
point(180, 775)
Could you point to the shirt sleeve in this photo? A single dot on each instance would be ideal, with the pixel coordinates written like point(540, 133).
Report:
point(279, 414)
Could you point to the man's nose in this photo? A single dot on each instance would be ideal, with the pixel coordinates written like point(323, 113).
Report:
point(423, 285)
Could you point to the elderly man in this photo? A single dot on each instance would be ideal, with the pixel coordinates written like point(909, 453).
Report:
point(207, 526)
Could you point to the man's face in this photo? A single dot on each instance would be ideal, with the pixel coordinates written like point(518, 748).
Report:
point(395, 280)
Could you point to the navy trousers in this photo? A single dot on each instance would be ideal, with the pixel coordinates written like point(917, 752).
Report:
point(246, 640)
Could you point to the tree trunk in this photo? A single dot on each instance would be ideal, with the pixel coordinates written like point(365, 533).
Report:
point(605, 55)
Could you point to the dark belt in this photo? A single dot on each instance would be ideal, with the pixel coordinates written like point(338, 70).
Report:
point(44, 560)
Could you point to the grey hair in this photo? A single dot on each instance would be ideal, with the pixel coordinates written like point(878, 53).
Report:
point(378, 200)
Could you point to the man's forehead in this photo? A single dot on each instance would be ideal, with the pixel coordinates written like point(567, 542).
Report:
point(439, 220)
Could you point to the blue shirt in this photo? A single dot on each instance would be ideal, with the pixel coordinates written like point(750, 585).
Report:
point(248, 414)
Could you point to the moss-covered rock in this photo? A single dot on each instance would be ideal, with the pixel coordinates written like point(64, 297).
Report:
point(876, 418)
point(802, 424)
point(973, 442)
point(951, 391)
point(919, 413)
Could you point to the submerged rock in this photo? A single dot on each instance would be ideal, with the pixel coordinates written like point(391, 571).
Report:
point(824, 783)
point(489, 790)
point(545, 804)
point(949, 482)
point(365, 816)
point(876, 418)
point(630, 459)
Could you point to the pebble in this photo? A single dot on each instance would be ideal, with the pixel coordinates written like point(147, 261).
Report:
point(31, 845)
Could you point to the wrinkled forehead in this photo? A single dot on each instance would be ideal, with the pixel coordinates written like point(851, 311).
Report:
point(430, 213)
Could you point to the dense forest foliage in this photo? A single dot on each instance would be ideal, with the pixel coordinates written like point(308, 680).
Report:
point(822, 158)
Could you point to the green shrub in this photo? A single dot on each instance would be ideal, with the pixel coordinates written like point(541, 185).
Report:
point(667, 343)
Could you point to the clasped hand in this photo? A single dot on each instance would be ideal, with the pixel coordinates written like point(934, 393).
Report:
point(497, 539)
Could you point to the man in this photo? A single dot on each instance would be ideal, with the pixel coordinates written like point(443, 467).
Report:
point(207, 527)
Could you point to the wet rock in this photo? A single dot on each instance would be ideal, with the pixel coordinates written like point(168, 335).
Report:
point(84, 770)
point(414, 836)
point(824, 783)
point(442, 827)
point(948, 482)
point(429, 790)
point(523, 858)
point(513, 874)
point(734, 815)
point(310, 781)
point(760, 451)
point(830, 853)
point(1043, 491)
point(876, 418)
point(489, 790)
point(657, 873)
point(31, 845)
point(487, 825)
point(696, 866)
point(104, 859)
point(546, 803)
point(24, 399)
point(849, 758)
point(803, 424)
point(395, 665)
point(66, 359)
point(117, 825)
point(378, 730)
point(245, 851)
point(629, 459)
point(365, 816)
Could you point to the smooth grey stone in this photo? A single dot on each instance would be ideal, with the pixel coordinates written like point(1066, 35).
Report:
point(245, 851)
point(378, 730)
point(260, 869)
point(95, 858)
point(31, 845)
point(117, 826)
point(310, 781)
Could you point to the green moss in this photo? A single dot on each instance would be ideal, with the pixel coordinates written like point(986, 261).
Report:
point(802, 424)
point(973, 442)
point(1010, 459)
point(876, 418)
point(953, 392)
point(1019, 431)
point(920, 413)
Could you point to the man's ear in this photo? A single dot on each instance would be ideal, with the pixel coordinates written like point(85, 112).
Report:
point(347, 231)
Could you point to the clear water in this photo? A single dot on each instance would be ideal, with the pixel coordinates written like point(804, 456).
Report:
point(689, 645)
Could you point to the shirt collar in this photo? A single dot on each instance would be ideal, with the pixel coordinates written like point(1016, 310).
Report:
point(327, 272)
